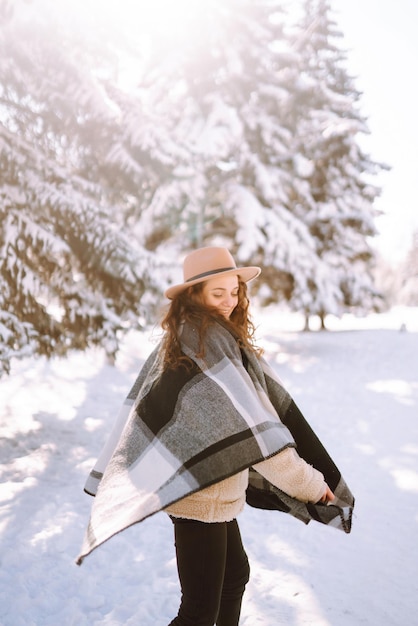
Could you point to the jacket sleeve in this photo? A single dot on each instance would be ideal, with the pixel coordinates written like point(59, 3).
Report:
point(290, 473)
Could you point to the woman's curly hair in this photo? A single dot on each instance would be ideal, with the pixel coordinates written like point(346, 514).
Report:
point(188, 307)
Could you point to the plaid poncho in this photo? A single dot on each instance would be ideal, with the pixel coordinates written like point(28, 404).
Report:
point(182, 430)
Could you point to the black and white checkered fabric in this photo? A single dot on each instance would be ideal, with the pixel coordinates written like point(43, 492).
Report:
point(182, 430)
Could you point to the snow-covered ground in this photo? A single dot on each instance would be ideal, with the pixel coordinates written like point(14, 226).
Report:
point(358, 387)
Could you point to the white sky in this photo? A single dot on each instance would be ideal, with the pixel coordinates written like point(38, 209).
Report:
point(382, 44)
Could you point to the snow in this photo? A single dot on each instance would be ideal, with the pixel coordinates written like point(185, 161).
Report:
point(357, 385)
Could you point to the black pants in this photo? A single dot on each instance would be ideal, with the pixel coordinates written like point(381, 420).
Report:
point(213, 571)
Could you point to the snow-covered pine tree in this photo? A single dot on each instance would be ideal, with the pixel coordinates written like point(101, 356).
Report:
point(193, 85)
point(229, 90)
point(72, 272)
point(335, 199)
point(270, 120)
point(266, 232)
point(100, 183)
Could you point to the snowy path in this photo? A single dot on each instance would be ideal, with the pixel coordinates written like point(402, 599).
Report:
point(359, 390)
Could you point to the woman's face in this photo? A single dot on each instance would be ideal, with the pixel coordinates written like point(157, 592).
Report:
point(222, 293)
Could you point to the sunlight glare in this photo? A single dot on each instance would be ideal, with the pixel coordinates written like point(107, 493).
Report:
point(158, 20)
point(91, 424)
point(402, 390)
point(10, 490)
point(406, 479)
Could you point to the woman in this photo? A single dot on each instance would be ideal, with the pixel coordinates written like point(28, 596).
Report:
point(212, 564)
point(203, 436)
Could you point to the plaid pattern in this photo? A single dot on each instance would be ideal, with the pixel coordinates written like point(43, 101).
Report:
point(182, 430)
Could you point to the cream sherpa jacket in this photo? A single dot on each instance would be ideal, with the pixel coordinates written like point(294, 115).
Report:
point(224, 500)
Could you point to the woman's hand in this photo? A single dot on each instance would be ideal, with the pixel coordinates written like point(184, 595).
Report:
point(328, 495)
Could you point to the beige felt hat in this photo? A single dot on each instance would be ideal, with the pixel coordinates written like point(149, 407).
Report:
point(205, 263)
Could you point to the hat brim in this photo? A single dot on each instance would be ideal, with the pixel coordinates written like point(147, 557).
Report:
point(245, 273)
